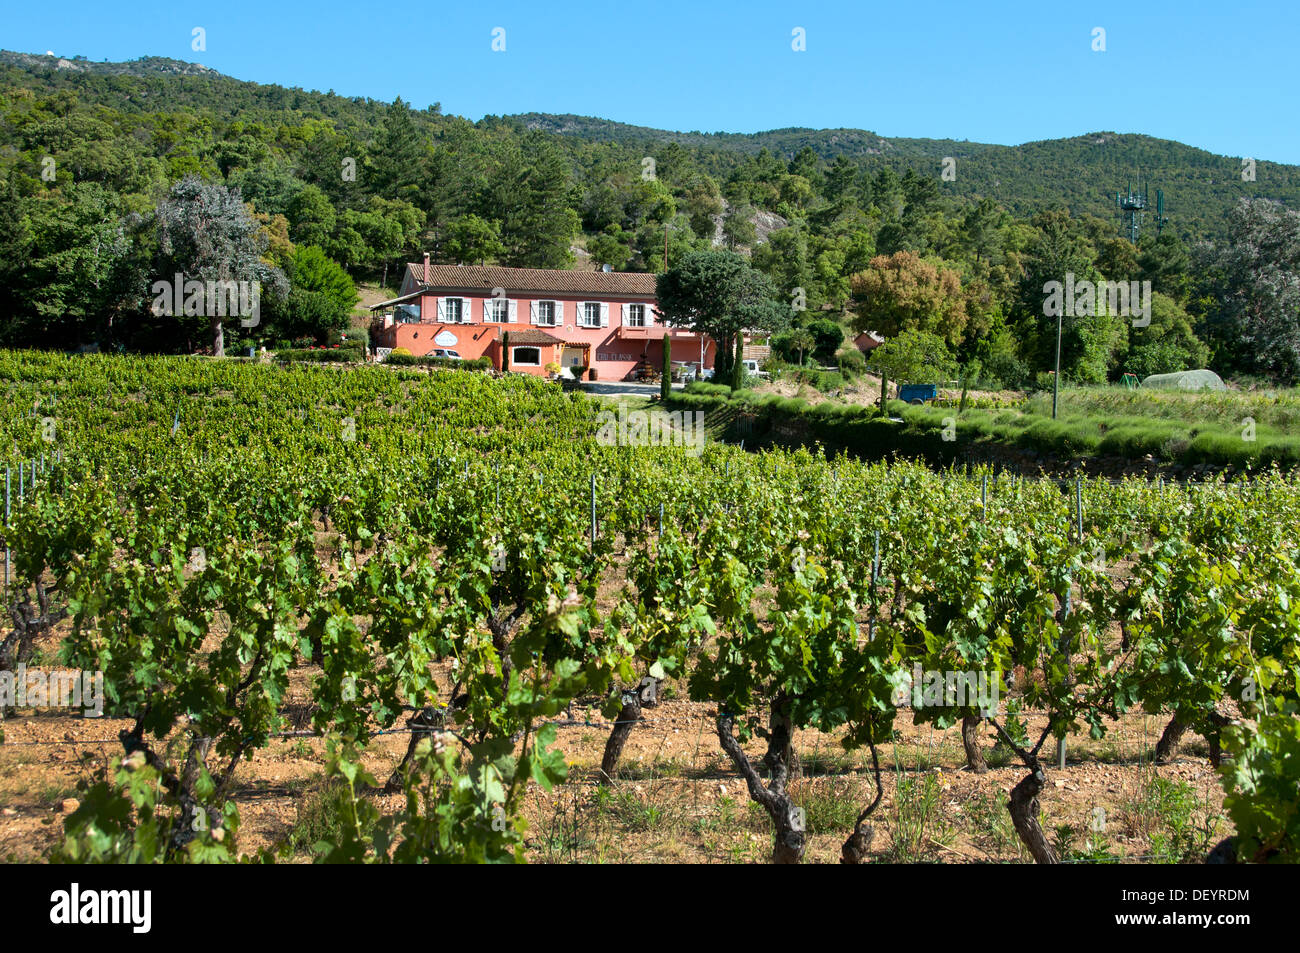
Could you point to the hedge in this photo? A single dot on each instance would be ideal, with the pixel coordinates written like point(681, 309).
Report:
point(328, 355)
point(422, 360)
point(860, 428)
point(711, 390)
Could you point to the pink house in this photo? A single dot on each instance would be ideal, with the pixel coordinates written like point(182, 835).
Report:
point(605, 321)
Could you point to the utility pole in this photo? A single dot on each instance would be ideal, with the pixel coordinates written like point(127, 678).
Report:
point(1056, 377)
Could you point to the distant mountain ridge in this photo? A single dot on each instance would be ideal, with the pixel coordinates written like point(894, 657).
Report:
point(1082, 172)
point(144, 66)
point(849, 142)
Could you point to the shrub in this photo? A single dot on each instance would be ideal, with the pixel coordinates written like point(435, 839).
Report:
point(851, 362)
point(326, 355)
point(321, 817)
point(828, 337)
point(704, 387)
point(423, 360)
point(351, 337)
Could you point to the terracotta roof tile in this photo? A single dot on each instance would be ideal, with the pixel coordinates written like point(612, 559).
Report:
point(531, 336)
point(524, 280)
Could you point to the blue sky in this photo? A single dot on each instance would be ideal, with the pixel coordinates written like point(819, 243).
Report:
point(1218, 75)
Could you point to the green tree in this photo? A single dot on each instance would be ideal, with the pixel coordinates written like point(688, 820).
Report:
point(1118, 259)
point(717, 293)
point(1165, 263)
point(70, 266)
point(391, 229)
point(738, 226)
point(611, 247)
point(1250, 291)
point(473, 240)
point(798, 341)
point(311, 217)
point(827, 338)
point(398, 154)
point(915, 356)
point(702, 204)
point(981, 230)
point(206, 234)
point(841, 180)
point(998, 352)
point(651, 238)
point(784, 258)
point(315, 272)
point(1167, 344)
point(904, 292)
point(531, 192)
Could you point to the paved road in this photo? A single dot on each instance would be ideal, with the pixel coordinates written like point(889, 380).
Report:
point(615, 388)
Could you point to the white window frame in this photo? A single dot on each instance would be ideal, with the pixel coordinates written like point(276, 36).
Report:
point(514, 352)
point(584, 321)
point(490, 310)
point(555, 311)
point(463, 308)
point(632, 322)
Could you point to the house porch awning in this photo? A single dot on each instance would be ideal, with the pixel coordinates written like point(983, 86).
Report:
point(414, 295)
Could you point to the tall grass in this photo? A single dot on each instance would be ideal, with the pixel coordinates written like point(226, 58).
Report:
point(1274, 408)
point(1186, 428)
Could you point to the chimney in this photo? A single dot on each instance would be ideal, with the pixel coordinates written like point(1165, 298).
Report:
point(427, 277)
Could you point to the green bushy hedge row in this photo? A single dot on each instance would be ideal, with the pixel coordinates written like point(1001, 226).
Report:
point(323, 355)
point(861, 429)
point(704, 387)
point(420, 360)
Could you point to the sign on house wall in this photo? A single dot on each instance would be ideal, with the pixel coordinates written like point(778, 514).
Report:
point(445, 339)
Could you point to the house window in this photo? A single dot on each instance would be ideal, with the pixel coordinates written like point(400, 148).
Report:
point(546, 313)
point(526, 356)
point(453, 310)
point(591, 314)
point(499, 310)
point(636, 316)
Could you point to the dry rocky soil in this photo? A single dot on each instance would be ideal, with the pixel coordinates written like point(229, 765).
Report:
point(678, 799)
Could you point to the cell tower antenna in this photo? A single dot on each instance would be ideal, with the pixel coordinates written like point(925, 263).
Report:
point(1132, 206)
point(1161, 218)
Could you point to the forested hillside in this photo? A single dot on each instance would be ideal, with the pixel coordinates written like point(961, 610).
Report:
point(108, 168)
point(1083, 172)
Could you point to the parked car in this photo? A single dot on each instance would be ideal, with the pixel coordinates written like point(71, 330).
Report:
point(444, 352)
point(751, 367)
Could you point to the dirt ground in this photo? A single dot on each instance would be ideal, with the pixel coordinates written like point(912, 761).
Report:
point(678, 799)
point(865, 391)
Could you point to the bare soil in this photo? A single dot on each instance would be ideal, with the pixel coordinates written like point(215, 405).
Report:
point(677, 797)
